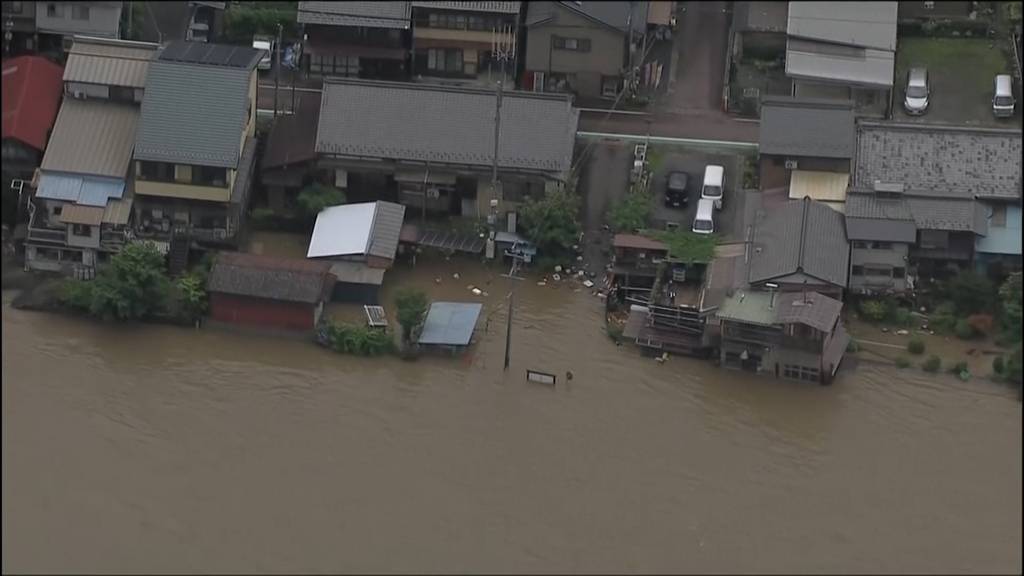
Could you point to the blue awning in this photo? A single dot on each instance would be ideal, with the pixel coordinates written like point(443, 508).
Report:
point(86, 190)
point(450, 323)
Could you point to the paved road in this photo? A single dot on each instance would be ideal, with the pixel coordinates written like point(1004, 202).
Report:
point(701, 44)
point(697, 124)
point(604, 180)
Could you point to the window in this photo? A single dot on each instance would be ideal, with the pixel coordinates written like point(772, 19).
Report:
point(899, 272)
point(798, 372)
point(444, 60)
point(573, 44)
point(877, 271)
point(183, 173)
point(122, 94)
point(209, 176)
point(883, 246)
point(51, 10)
point(861, 245)
point(155, 171)
point(81, 230)
point(998, 216)
point(858, 270)
point(609, 86)
point(16, 7)
point(934, 239)
point(79, 11)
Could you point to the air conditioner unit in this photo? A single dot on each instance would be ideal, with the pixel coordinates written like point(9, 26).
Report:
point(790, 165)
point(433, 193)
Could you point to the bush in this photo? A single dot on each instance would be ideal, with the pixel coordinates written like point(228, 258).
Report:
point(932, 364)
point(873, 310)
point(134, 286)
point(550, 223)
point(981, 324)
point(1010, 309)
point(943, 319)
point(970, 293)
point(614, 332)
point(959, 367)
point(915, 346)
point(315, 197)
point(998, 365)
point(241, 23)
point(1014, 367)
point(358, 340)
point(76, 294)
point(630, 213)
point(412, 308)
point(900, 316)
point(902, 361)
point(963, 329)
point(853, 347)
point(192, 294)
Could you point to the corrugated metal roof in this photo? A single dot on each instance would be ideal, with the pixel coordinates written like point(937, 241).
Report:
point(109, 62)
point(815, 128)
point(286, 279)
point(118, 212)
point(748, 307)
point(31, 97)
point(92, 137)
point(499, 7)
point(867, 24)
point(78, 214)
point(87, 190)
point(450, 323)
point(369, 14)
point(801, 236)
point(820, 186)
point(809, 60)
point(406, 121)
point(761, 16)
point(193, 114)
point(387, 225)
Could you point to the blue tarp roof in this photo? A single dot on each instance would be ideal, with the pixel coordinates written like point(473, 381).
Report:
point(86, 190)
point(450, 323)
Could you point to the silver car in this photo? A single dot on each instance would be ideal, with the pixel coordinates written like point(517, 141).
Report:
point(917, 92)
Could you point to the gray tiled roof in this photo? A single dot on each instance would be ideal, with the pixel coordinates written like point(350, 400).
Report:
point(819, 128)
point(442, 124)
point(290, 280)
point(948, 214)
point(612, 14)
point(801, 236)
point(387, 225)
point(193, 114)
point(370, 14)
point(939, 161)
point(499, 7)
point(812, 309)
point(881, 219)
point(865, 24)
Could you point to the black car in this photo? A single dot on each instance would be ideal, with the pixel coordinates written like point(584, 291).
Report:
point(676, 186)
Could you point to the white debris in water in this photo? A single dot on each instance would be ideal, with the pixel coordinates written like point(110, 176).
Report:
point(558, 268)
point(588, 283)
point(902, 332)
point(542, 283)
point(456, 275)
point(556, 277)
point(477, 291)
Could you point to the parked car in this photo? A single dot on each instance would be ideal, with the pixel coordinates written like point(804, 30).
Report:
point(704, 221)
point(1003, 101)
point(917, 92)
point(713, 188)
point(677, 185)
point(266, 46)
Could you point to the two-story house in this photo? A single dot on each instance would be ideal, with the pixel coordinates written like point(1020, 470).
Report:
point(844, 51)
point(195, 144)
point(795, 335)
point(19, 22)
point(960, 186)
point(583, 48)
point(881, 230)
point(465, 42)
point(81, 211)
point(58, 22)
point(807, 146)
point(32, 90)
point(356, 39)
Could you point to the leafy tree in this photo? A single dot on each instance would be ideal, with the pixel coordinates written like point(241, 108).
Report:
point(630, 213)
point(551, 222)
point(902, 362)
point(412, 307)
point(1010, 319)
point(873, 310)
point(359, 340)
point(315, 197)
point(192, 293)
point(134, 286)
point(970, 292)
point(242, 22)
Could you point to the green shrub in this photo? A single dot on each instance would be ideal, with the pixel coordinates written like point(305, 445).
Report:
point(853, 347)
point(970, 293)
point(943, 319)
point(915, 345)
point(630, 213)
point(963, 329)
point(192, 295)
point(902, 361)
point(873, 310)
point(358, 340)
point(998, 365)
point(614, 332)
point(901, 316)
point(932, 364)
point(412, 308)
point(134, 286)
point(315, 197)
point(76, 294)
point(959, 367)
point(1014, 367)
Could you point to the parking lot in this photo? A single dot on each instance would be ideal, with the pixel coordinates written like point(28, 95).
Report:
point(961, 72)
point(728, 221)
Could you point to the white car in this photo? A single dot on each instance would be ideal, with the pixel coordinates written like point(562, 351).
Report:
point(266, 46)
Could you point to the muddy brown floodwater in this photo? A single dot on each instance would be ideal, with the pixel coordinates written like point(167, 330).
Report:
point(154, 448)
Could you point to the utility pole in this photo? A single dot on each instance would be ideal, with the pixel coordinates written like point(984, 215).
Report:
point(508, 330)
point(277, 69)
point(503, 47)
point(423, 217)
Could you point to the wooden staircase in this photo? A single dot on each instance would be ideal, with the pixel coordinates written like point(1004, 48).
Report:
point(177, 255)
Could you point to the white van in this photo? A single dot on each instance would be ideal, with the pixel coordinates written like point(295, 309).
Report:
point(1002, 100)
point(704, 222)
point(267, 48)
point(713, 188)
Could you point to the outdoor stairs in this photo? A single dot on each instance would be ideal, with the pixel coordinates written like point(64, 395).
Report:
point(178, 254)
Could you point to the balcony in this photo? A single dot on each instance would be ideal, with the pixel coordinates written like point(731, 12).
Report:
point(49, 236)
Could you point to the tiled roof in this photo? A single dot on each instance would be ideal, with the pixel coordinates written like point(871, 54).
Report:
point(31, 96)
point(616, 15)
point(801, 236)
point(447, 125)
point(812, 309)
point(292, 139)
point(818, 128)
point(936, 161)
point(290, 280)
point(92, 137)
point(499, 7)
point(369, 14)
point(883, 219)
point(948, 214)
point(109, 62)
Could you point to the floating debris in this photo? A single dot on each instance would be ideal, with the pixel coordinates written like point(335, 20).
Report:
point(558, 268)
point(556, 277)
point(542, 283)
point(456, 275)
point(588, 283)
point(477, 291)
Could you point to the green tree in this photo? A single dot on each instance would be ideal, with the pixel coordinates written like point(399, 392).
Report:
point(1010, 297)
point(315, 197)
point(134, 286)
point(551, 222)
point(970, 292)
point(630, 213)
point(412, 307)
point(192, 293)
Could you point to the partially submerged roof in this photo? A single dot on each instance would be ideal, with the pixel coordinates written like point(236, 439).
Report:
point(637, 242)
point(810, 60)
point(285, 279)
point(749, 307)
point(196, 104)
point(768, 309)
point(948, 162)
point(865, 24)
point(806, 127)
point(370, 228)
point(445, 125)
point(92, 137)
point(366, 14)
point(357, 273)
point(497, 7)
point(801, 236)
point(109, 62)
point(450, 323)
point(618, 16)
point(765, 16)
point(31, 96)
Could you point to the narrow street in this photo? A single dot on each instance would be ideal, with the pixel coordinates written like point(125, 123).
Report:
point(604, 181)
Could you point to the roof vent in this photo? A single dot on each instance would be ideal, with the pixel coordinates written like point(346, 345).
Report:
point(888, 189)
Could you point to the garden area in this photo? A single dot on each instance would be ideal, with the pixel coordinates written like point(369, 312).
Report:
point(973, 328)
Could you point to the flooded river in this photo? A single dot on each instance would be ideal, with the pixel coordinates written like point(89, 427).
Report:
point(165, 449)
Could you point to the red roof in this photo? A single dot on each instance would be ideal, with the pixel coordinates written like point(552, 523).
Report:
point(32, 87)
point(637, 242)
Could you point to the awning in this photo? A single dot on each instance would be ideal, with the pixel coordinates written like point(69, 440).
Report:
point(357, 273)
point(416, 177)
point(89, 190)
point(117, 212)
point(825, 187)
point(78, 214)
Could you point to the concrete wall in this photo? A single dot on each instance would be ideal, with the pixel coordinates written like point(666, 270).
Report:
point(104, 19)
point(875, 257)
point(90, 240)
point(1004, 238)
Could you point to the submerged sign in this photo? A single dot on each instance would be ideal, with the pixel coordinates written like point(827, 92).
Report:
point(540, 377)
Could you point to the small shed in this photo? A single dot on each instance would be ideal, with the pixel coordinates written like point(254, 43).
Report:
point(268, 292)
point(450, 325)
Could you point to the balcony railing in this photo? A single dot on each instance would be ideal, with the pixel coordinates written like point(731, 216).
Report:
point(48, 235)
